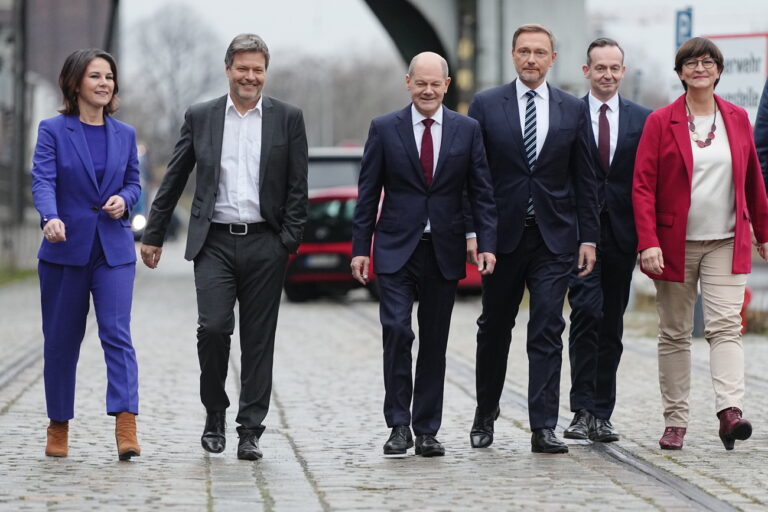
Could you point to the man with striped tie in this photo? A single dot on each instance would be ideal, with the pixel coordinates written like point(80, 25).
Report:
point(545, 189)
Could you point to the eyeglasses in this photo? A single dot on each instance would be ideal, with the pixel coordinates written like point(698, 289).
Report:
point(526, 53)
point(694, 63)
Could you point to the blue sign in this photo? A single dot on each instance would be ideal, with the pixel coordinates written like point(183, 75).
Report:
point(683, 26)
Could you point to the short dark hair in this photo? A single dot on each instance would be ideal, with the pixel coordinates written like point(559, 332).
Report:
point(695, 48)
point(602, 42)
point(246, 43)
point(533, 27)
point(71, 77)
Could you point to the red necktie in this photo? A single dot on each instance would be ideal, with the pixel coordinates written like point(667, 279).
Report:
point(427, 156)
point(604, 139)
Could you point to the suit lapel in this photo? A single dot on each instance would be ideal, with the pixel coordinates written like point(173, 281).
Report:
point(595, 157)
point(77, 136)
point(679, 124)
point(512, 112)
point(114, 150)
point(624, 113)
point(405, 131)
point(217, 134)
point(449, 132)
point(734, 136)
point(555, 117)
point(267, 131)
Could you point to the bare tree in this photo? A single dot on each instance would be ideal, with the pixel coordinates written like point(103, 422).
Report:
point(172, 61)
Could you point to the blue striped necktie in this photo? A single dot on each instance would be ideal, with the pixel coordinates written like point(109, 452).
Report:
point(529, 140)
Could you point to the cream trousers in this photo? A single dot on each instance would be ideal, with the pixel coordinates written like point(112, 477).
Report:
point(708, 262)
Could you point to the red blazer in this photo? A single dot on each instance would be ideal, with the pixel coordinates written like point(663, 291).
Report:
point(661, 190)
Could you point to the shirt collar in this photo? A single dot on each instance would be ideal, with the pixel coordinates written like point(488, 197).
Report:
point(541, 91)
point(231, 106)
point(417, 117)
point(595, 104)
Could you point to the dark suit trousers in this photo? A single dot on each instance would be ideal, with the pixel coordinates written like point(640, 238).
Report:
point(250, 270)
point(420, 277)
point(546, 275)
point(598, 302)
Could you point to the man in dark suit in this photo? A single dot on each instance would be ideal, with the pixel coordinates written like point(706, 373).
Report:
point(544, 185)
point(423, 157)
point(761, 132)
point(598, 301)
point(248, 214)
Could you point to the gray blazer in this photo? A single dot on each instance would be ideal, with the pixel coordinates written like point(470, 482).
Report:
point(282, 173)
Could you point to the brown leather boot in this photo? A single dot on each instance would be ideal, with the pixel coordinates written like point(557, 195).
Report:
point(125, 434)
point(733, 426)
point(672, 438)
point(58, 439)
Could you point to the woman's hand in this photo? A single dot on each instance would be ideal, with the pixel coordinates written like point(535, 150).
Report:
point(652, 260)
point(115, 207)
point(55, 231)
point(762, 250)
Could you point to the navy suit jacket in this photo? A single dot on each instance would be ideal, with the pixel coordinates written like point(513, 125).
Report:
point(64, 186)
point(761, 132)
point(391, 162)
point(614, 189)
point(563, 184)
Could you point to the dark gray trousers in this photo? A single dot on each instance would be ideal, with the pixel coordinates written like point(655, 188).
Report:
point(248, 269)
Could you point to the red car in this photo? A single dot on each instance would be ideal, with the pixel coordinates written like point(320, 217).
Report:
point(321, 266)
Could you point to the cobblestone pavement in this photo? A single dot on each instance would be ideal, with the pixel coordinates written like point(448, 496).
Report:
point(325, 429)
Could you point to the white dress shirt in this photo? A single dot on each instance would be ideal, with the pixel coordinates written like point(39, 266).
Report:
point(613, 120)
point(437, 138)
point(541, 100)
point(238, 194)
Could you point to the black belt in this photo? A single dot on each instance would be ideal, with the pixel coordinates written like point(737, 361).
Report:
point(241, 228)
point(529, 221)
point(426, 237)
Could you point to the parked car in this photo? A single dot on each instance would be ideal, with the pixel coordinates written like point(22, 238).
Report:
point(321, 266)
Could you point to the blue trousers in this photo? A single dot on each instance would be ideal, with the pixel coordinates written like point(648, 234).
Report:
point(65, 293)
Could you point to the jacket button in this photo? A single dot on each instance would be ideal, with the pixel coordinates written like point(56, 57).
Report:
point(95, 209)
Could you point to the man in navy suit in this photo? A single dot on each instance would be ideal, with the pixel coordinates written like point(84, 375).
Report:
point(761, 132)
point(423, 157)
point(544, 186)
point(598, 300)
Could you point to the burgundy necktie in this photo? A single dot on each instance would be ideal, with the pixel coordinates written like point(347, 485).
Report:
point(604, 139)
point(427, 156)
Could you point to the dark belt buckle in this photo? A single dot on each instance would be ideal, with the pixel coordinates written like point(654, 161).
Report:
point(529, 221)
point(238, 228)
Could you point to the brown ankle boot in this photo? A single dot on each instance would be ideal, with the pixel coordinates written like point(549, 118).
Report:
point(732, 427)
point(125, 434)
point(58, 439)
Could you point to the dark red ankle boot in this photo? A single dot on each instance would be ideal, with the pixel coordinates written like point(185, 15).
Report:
point(672, 438)
point(732, 427)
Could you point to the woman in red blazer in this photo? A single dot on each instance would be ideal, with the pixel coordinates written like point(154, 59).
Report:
point(697, 188)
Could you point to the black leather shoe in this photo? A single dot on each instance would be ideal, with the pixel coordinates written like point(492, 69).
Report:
point(248, 447)
point(481, 435)
point(602, 431)
point(399, 440)
point(428, 446)
point(579, 427)
point(544, 440)
point(213, 439)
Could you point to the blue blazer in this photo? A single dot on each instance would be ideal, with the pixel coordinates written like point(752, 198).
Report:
point(761, 132)
point(391, 161)
point(563, 185)
point(64, 186)
point(614, 188)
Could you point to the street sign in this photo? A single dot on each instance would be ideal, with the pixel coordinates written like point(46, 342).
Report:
point(683, 26)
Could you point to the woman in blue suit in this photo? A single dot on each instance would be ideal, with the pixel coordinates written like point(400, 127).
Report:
point(85, 178)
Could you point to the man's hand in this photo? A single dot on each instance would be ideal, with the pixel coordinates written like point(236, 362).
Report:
point(359, 268)
point(486, 262)
point(115, 207)
point(150, 255)
point(472, 250)
point(587, 258)
point(653, 261)
point(55, 231)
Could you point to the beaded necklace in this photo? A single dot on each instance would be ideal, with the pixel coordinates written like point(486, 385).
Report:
point(692, 127)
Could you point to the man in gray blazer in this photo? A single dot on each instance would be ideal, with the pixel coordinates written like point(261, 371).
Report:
point(248, 214)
